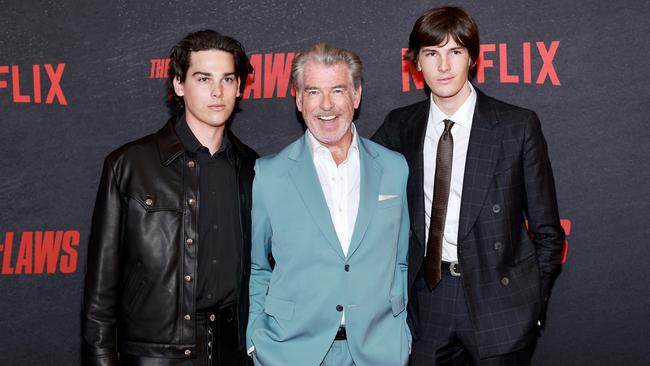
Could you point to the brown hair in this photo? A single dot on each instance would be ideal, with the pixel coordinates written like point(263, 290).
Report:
point(201, 41)
point(436, 25)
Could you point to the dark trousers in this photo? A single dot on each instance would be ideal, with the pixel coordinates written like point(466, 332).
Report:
point(216, 343)
point(446, 333)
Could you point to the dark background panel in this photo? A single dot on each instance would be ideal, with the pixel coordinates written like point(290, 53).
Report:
point(594, 122)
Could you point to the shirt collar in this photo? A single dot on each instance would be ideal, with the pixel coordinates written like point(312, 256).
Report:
point(317, 148)
point(462, 117)
point(190, 142)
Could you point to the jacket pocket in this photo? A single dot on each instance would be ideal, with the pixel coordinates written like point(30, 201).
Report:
point(277, 308)
point(136, 287)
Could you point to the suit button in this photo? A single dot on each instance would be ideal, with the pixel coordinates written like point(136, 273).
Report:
point(191, 201)
point(347, 268)
point(187, 317)
point(339, 308)
point(498, 246)
point(496, 208)
point(191, 164)
point(505, 281)
point(148, 201)
point(188, 352)
point(188, 278)
point(189, 241)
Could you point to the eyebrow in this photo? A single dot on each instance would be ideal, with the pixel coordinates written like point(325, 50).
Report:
point(209, 74)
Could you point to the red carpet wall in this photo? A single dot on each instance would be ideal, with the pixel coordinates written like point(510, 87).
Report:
point(79, 78)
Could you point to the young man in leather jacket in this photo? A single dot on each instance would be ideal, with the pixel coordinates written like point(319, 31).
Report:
point(169, 251)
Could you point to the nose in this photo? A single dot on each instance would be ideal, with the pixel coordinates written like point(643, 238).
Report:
point(326, 102)
point(443, 66)
point(217, 89)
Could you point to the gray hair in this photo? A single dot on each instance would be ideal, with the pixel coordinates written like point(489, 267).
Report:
point(329, 55)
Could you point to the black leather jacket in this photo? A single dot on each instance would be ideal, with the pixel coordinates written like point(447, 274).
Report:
point(142, 246)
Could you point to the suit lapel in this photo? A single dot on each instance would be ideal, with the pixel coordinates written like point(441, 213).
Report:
point(413, 142)
point(305, 178)
point(482, 155)
point(370, 175)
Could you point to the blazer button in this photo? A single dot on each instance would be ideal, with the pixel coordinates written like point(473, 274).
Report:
point(188, 278)
point(347, 268)
point(496, 208)
point(189, 241)
point(188, 352)
point(148, 201)
point(339, 308)
point(498, 246)
point(191, 164)
point(505, 281)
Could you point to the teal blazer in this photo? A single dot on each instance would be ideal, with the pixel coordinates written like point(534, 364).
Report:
point(300, 278)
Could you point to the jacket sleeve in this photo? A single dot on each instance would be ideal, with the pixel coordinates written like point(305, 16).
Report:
point(541, 207)
point(101, 282)
point(387, 134)
point(261, 269)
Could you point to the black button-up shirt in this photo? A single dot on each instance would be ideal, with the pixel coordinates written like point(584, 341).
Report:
point(219, 232)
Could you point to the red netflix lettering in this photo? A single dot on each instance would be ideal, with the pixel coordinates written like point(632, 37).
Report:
point(20, 95)
point(409, 70)
point(24, 260)
point(486, 64)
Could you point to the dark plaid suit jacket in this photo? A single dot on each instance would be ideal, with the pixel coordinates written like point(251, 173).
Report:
point(507, 269)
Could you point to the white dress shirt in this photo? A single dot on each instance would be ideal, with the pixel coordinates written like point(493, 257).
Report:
point(341, 188)
point(460, 132)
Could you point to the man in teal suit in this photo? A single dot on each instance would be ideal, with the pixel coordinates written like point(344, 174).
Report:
point(330, 233)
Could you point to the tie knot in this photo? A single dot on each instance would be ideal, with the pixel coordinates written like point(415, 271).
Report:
point(448, 125)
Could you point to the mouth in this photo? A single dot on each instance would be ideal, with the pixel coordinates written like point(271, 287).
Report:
point(445, 80)
point(217, 107)
point(326, 118)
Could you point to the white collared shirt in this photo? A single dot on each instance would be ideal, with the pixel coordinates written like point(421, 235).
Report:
point(340, 185)
point(460, 132)
point(341, 188)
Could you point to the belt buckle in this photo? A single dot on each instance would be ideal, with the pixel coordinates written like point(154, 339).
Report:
point(453, 269)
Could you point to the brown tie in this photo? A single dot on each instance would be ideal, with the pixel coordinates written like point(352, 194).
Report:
point(441, 183)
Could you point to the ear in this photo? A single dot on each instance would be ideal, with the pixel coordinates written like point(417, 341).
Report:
point(178, 87)
point(357, 97)
point(238, 87)
point(299, 100)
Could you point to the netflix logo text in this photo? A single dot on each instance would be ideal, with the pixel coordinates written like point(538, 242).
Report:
point(38, 84)
point(499, 59)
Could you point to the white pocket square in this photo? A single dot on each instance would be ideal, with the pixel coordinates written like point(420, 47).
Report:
point(384, 197)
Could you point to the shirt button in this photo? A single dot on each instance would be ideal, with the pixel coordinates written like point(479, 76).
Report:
point(214, 261)
point(188, 278)
point(191, 201)
point(188, 352)
point(191, 164)
point(215, 226)
point(212, 317)
point(505, 281)
point(498, 246)
point(347, 268)
point(339, 308)
point(187, 317)
point(189, 241)
point(496, 208)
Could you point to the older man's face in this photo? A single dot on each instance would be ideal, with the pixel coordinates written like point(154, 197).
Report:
point(327, 102)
